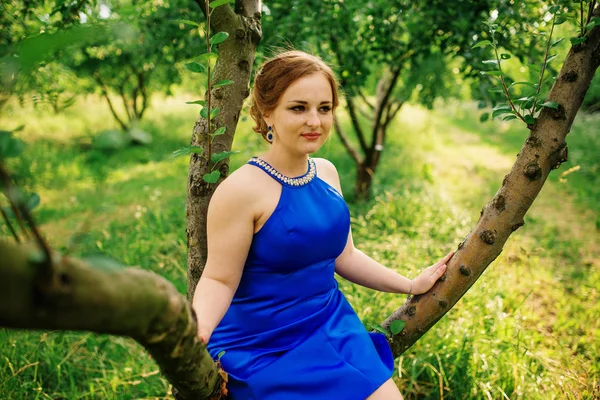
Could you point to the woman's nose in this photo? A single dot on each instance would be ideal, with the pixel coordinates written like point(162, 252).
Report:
point(313, 119)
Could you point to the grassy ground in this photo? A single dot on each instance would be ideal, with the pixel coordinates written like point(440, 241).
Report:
point(528, 329)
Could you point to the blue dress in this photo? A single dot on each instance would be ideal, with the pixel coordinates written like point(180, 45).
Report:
point(290, 334)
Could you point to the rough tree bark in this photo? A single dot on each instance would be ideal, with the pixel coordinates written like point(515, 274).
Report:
point(544, 150)
point(236, 57)
point(70, 294)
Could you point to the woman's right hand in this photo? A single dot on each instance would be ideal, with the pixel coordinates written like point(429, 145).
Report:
point(427, 278)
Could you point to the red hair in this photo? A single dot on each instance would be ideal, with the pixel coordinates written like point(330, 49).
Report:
point(276, 75)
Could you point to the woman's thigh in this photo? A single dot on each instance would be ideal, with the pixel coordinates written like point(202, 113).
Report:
point(387, 391)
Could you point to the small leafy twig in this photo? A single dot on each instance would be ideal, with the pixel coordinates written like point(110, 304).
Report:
point(209, 83)
point(539, 87)
point(207, 112)
point(504, 88)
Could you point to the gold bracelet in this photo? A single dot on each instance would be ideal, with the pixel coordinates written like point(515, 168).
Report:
point(411, 287)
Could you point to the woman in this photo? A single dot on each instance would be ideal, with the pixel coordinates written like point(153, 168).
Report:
point(267, 303)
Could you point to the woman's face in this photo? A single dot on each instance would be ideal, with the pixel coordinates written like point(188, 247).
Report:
point(302, 119)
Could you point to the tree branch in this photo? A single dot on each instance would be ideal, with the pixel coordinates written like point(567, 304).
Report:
point(106, 299)
point(356, 123)
point(110, 105)
point(364, 98)
point(544, 150)
point(351, 150)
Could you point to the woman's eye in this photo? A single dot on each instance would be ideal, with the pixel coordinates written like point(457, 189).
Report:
point(325, 109)
point(298, 108)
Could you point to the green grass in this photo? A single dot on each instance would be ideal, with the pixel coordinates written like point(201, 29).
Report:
point(528, 329)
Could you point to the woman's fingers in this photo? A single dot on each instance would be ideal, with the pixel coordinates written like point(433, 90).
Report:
point(444, 259)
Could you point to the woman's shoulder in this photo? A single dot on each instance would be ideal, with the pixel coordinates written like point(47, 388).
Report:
point(243, 185)
point(327, 172)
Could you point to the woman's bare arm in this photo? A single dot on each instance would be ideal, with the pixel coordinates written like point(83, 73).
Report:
point(361, 269)
point(230, 227)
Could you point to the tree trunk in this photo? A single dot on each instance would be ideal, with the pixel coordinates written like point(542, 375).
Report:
point(544, 150)
point(364, 178)
point(75, 295)
point(236, 57)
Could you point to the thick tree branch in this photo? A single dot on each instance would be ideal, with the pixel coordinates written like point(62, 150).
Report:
point(387, 87)
point(351, 150)
point(356, 123)
point(120, 301)
point(544, 150)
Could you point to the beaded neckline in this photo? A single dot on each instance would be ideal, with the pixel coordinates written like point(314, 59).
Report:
point(296, 182)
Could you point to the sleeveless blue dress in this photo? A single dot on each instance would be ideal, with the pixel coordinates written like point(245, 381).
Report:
point(290, 334)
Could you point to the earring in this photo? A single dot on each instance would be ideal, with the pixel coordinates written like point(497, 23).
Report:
point(270, 134)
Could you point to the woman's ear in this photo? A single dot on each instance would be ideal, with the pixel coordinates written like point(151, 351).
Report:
point(268, 120)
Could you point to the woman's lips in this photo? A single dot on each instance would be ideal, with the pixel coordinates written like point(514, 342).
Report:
point(311, 136)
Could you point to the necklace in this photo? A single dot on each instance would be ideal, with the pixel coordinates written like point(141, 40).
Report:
point(297, 181)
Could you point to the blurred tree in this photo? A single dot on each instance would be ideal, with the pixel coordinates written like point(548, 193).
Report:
point(388, 52)
point(142, 54)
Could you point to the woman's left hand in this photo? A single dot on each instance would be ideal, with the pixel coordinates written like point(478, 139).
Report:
point(427, 278)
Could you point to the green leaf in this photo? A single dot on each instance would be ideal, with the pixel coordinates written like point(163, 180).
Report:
point(32, 201)
point(500, 112)
point(216, 157)
point(593, 23)
point(9, 145)
point(397, 326)
point(221, 354)
point(204, 113)
point(482, 43)
point(484, 117)
point(528, 84)
point(207, 56)
point(577, 40)
point(378, 328)
point(201, 102)
point(214, 112)
point(505, 56)
point(553, 9)
point(219, 131)
point(213, 177)
point(509, 117)
point(551, 58)
point(495, 90)
point(224, 82)
point(560, 20)
point(502, 107)
point(195, 67)
point(550, 104)
point(492, 73)
point(184, 151)
point(555, 42)
point(490, 62)
point(188, 22)
point(219, 38)
point(529, 119)
point(217, 3)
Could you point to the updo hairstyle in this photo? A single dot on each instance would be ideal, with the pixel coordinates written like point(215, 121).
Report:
point(276, 75)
